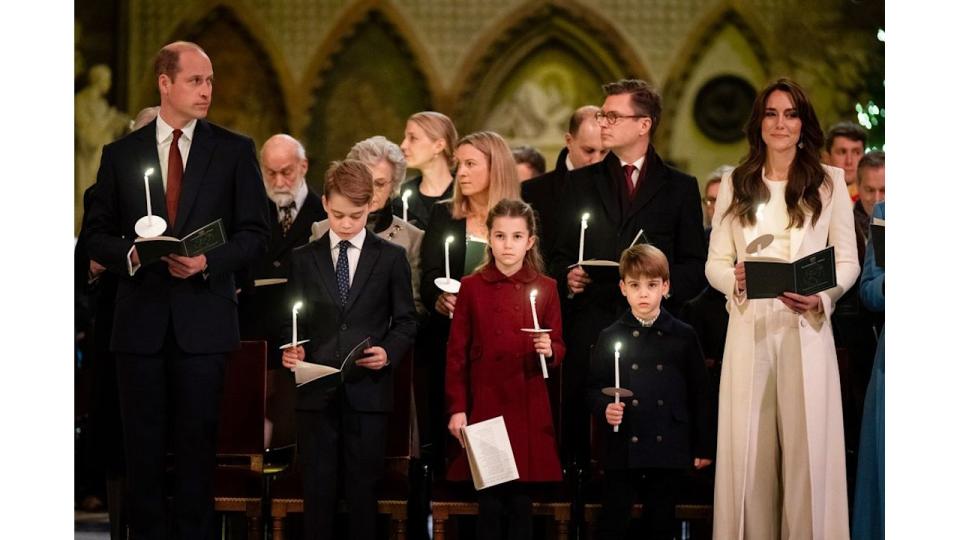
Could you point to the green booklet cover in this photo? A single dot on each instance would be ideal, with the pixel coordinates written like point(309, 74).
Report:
point(769, 278)
point(200, 241)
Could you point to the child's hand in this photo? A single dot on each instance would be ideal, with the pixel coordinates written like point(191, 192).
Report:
point(699, 463)
point(376, 358)
point(457, 422)
point(615, 414)
point(541, 343)
point(445, 303)
point(293, 355)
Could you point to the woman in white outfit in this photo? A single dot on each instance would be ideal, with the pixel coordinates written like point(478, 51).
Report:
point(780, 453)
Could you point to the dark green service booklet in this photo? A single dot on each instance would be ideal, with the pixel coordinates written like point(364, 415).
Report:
point(198, 242)
point(769, 278)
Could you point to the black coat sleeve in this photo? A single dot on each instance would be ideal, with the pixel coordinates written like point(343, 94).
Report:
point(687, 277)
point(702, 399)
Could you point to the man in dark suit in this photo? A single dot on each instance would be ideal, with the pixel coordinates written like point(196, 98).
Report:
point(264, 299)
point(630, 190)
point(353, 285)
point(176, 320)
point(545, 192)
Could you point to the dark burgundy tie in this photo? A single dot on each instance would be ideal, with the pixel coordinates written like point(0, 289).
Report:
point(174, 178)
point(628, 177)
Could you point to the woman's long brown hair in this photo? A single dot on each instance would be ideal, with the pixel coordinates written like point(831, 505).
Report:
point(805, 176)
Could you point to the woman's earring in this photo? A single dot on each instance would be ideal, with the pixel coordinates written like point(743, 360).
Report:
point(800, 144)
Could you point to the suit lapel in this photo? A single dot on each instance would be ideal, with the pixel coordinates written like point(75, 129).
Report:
point(651, 181)
point(321, 257)
point(201, 149)
point(797, 234)
point(606, 185)
point(368, 259)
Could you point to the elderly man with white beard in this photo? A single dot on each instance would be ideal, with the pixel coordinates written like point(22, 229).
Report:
point(264, 303)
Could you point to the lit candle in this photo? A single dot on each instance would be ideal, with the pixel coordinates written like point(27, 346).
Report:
point(583, 228)
point(406, 195)
point(616, 379)
point(146, 188)
point(296, 308)
point(536, 326)
point(446, 256)
point(760, 209)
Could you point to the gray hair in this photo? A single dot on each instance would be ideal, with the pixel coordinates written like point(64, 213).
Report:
point(376, 149)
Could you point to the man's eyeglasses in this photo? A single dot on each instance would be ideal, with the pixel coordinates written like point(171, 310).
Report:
point(613, 118)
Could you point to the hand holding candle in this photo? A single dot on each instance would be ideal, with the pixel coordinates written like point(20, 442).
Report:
point(406, 195)
point(536, 326)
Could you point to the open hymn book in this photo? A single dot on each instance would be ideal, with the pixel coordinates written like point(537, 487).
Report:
point(199, 241)
point(489, 452)
point(307, 372)
point(769, 277)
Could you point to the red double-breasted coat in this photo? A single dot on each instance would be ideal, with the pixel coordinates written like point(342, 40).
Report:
point(493, 369)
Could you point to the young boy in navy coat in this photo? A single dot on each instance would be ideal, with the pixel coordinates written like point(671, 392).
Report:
point(353, 285)
point(669, 423)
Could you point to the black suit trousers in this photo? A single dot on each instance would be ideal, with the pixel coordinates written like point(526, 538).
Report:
point(328, 438)
point(656, 489)
point(177, 394)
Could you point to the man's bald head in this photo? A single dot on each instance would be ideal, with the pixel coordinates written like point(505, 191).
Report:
point(283, 162)
point(583, 138)
point(167, 61)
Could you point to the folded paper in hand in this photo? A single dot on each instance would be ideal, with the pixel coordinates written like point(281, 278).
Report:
point(489, 452)
point(308, 372)
point(200, 241)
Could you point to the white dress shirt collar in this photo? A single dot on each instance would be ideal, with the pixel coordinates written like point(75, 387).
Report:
point(165, 131)
point(356, 241)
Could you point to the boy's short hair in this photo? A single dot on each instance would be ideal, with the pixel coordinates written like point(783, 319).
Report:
point(644, 260)
point(351, 179)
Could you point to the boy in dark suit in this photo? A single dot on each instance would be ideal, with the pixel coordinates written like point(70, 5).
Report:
point(669, 423)
point(353, 285)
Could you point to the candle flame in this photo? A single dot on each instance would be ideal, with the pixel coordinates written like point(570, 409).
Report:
point(297, 306)
point(617, 346)
point(406, 195)
point(450, 239)
point(533, 293)
point(148, 172)
point(586, 216)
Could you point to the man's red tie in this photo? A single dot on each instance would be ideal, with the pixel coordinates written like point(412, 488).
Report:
point(628, 177)
point(174, 178)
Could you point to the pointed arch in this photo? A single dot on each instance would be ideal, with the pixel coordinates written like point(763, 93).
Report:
point(701, 39)
point(579, 29)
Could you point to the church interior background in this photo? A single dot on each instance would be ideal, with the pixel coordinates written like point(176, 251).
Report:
point(332, 72)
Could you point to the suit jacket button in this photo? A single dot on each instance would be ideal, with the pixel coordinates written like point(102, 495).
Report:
point(636, 403)
point(636, 333)
point(343, 326)
point(634, 439)
point(635, 367)
point(659, 332)
point(659, 438)
point(659, 367)
point(803, 323)
point(659, 403)
point(517, 286)
point(276, 264)
point(516, 308)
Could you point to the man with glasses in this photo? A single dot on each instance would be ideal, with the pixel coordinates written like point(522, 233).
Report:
point(631, 189)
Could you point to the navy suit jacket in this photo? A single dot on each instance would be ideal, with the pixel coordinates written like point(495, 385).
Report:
point(221, 181)
point(379, 306)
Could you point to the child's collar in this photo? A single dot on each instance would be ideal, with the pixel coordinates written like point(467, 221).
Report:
point(492, 274)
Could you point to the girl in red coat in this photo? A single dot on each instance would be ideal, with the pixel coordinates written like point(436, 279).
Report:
point(493, 368)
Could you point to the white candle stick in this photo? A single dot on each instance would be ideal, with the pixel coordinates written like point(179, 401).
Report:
point(296, 308)
point(583, 228)
point(406, 195)
point(616, 379)
point(760, 209)
point(446, 256)
point(536, 326)
point(635, 238)
point(146, 188)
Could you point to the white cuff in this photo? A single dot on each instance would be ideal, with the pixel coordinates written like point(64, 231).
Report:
point(130, 267)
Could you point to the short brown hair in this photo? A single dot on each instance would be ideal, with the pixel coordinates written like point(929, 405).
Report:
point(644, 260)
point(167, 61)
point(643, 97)
point(871, 160)
point(530, 156)
point(847, 130)
point(350, 178)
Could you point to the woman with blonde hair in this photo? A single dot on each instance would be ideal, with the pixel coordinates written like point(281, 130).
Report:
point(428, 143)
point(485, 175)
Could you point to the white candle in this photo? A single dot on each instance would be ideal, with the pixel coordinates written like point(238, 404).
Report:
point(533, 308)
point(446, 256)
point(406, 195)
point(146, 188)
point(296, 308)
point(760, 209)
point(583, 227)
point(616, 379)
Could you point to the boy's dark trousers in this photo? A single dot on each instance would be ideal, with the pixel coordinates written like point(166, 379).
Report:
point(505, 506)
point(656, 489)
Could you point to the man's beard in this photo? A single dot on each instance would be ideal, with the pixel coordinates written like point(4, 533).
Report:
point(283, 198)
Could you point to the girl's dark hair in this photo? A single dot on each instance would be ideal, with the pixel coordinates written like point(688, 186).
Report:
point(806, 175)
point(517, 208)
